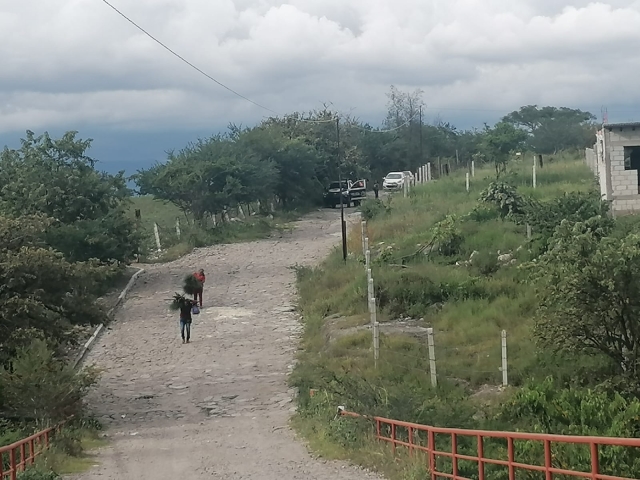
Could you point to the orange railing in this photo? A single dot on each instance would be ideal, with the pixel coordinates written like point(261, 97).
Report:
point(422, 438)
point(16, 457)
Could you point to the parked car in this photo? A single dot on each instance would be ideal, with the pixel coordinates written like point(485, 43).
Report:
point(351, 192)
point(394, 181)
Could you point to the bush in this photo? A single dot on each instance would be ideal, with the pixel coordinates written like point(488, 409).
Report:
point(37, 473)
point(373, 208)
point(505, 197)
point(39, 387)
point(486, 263)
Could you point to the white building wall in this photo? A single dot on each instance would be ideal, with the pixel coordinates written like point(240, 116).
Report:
point(623, 183)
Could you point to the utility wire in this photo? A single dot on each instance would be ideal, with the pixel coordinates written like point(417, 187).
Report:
point(202, 72)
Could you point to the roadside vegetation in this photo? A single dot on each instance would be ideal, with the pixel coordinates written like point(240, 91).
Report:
point(69, 232)
point(462, 264)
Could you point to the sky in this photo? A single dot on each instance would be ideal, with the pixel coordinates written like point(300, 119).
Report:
point(78, 65)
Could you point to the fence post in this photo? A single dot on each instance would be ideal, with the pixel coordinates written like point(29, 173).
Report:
point(432, 358)
point(178, 227)
point(467, 181)
point(505, 378)
point(528, 232)
point(367, 261)
point(376, 333)
point(473, 168)
point(214, 220)
point(370, 290)
point(534, 172)
point(157, 235)
point(241, 212)
point(363, 228)
point(429, 177)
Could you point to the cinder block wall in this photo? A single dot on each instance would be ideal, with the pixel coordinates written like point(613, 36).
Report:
point(624, 183)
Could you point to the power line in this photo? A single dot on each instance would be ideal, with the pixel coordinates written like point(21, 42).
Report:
point(199, 70)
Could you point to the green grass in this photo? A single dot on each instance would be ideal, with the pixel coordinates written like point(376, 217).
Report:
point(466, 308)
point(166, 215)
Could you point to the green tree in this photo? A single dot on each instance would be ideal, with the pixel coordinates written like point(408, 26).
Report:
point(551, 129)
point(589, 287)
point(42, 293)
point(56, 178)
point(500, 142)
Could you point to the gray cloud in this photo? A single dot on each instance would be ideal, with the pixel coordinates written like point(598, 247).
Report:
point(76, 64)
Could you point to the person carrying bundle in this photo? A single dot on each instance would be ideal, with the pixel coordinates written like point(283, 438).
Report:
point(197, 292)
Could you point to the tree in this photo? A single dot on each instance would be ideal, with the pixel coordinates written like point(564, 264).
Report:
point(209, 176)
point(551, 129)
point(56, 178)
point(500, 142)
point(589, 287)
point(42, 294)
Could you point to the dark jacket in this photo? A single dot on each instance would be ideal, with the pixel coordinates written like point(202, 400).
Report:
point(185, 312)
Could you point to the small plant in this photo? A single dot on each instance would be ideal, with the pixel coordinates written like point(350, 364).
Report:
point(37, 473)
point(374, 208)
point(447, 236)
point(486, 263)
point(178, 302)
point(505, 197)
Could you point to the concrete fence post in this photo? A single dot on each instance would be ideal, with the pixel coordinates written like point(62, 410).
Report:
point(363, 235)
point(178, 227)
point(467, 181)
point(156, 232)
point(367, 261)
point(473, 168)
point(432, 358)
point(505, 378)
point(528, 232)
point(429, 177)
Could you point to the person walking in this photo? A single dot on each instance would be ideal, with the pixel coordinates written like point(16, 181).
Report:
point(376, 188)
point(185, 320)
point(200, 276)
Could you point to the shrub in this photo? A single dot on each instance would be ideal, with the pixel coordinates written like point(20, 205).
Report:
point(505, 197)
point(37, 473)
point(373, 208)
point(40, 387)
point(486, 263)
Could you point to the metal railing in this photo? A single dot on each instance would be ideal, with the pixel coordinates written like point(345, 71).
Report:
point(419, 438)
point(18, 456)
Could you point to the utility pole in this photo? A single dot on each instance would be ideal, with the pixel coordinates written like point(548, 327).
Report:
point(342, 222)
point(421, 155)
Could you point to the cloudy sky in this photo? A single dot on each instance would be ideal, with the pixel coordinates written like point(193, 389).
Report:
point(77, 64)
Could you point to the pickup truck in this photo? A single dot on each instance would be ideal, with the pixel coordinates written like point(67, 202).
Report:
point(351, 192)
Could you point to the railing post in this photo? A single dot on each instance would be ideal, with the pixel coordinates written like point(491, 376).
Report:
point(410, 431)
point(23, 457)
point(12, 464)
point(595, 461)
point(548, 475)
point(454, 455)
point(480, 458)
point(32, 450)
point(431, 447)
point(393, 438)
point(511, 459)
point(363, 228)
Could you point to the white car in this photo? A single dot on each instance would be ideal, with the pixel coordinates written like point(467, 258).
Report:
point(394, 181)
point(409, 176)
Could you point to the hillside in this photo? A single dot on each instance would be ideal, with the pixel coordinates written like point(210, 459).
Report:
point(461, 289)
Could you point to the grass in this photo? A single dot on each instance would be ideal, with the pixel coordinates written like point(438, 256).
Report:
point(467, 307)
point(167, 215)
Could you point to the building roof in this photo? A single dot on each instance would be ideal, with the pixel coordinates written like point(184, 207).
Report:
point(622, 125)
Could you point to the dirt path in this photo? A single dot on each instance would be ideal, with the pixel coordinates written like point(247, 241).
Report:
point(218, 407)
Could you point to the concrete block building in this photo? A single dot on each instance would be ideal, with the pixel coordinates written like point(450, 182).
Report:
point(615, 159)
